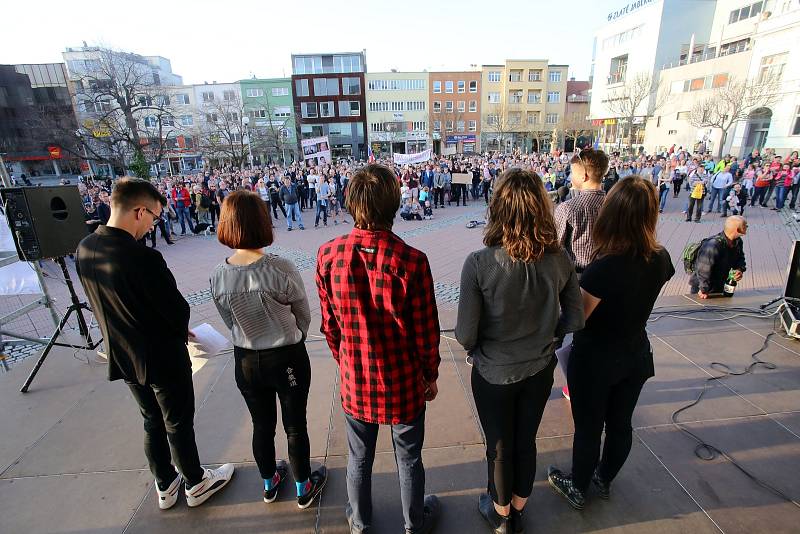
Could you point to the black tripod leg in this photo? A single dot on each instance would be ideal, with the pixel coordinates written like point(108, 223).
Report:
point(45, 352)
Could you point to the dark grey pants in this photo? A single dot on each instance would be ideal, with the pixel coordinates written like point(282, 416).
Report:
point(407, 442)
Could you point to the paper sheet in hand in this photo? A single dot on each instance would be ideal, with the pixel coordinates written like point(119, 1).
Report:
point(208, 342)
point(563, 357)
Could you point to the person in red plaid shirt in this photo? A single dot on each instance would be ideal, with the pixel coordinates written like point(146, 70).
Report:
point(380, 319)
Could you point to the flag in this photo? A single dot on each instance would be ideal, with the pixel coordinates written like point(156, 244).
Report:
point(371, 156)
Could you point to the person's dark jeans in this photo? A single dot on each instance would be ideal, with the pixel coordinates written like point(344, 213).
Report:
point(214, 211)
point(780, 196)
point(168, 412)
point(276, 203)
point(758, 196)
point(768, 196)
point(163, 227)
point(676, 187)
point(184, 217)
point(694, 203)
point(438, 196)
point(260, 376)
point(510, 415)
point(795, 190)
point(486, 192)
point(322, 209)
point(407, 441)
point(716, 195)
point(598, 402)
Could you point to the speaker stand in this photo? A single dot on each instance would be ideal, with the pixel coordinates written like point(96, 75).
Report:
point(76, 307)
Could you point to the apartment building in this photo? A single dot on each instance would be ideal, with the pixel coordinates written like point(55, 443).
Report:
point(398, 116)
point(455, 111)
point(523, 101)
point(329, 100)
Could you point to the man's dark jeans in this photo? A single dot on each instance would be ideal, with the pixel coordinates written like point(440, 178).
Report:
point(407, 441)
point(168, 412)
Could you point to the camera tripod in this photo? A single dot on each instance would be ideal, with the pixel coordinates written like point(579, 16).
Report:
point(76, 307)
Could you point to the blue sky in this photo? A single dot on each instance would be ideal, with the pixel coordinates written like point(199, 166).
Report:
point(235, 39)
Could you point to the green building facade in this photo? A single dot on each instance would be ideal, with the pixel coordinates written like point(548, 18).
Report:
point(268, 105)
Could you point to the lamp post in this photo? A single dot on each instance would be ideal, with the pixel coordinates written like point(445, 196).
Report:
point(246, 123)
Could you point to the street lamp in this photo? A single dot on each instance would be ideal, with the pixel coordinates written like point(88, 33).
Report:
point(246, 123)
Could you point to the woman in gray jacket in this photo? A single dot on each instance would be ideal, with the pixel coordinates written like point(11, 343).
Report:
point(518, 295)
point(262, 299)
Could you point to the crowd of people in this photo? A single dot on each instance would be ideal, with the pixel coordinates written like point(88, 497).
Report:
point(544, 275)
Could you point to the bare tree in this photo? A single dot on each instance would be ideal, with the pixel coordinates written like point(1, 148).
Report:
point(125, 110)
point(220, 132)
point(731, 103)
point(269, 134)
point(576, 126)
point(501, 120)
point(636, 101)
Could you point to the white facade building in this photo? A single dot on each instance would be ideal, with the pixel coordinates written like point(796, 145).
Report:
point(639, 38)
point(397, 112)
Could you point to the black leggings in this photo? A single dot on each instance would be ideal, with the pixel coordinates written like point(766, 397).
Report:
point(510, 415)
point(599, 402)
point(260, 375)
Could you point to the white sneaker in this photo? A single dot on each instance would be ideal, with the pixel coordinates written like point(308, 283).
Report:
point(213, 481)
point(167, 499)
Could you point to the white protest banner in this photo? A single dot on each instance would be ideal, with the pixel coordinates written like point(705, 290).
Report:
point(317, 150)
point(420, 157)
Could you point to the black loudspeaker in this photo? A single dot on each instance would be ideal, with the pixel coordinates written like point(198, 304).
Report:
point(46, 222)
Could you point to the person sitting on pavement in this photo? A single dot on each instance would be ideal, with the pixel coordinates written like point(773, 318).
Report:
point(718, 256)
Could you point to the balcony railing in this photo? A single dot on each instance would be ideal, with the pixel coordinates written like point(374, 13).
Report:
point(697, 58)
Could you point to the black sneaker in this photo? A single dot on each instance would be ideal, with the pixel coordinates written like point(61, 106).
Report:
point(603, 488)
point(430, 514)
point(281, 469)
point(562, 483)
point(318, 479)
point(497, 523)
point(517, 521)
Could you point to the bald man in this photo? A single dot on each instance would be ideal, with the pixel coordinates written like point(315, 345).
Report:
point(718, 255)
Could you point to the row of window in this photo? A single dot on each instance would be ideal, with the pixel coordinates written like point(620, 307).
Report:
point(515, 118)
point(449, 84)
point(515, 75)
point(416, 105)
point(415, 126)
point(347, 108)
point(257, 92)
point(277, 111)
point(698, 84)
point(746, 12)
point(534, 97)
point(396, 85)
point(458, 126)
point(622, 37)
point(327, 64)
point(328, 87)
point(462, 106)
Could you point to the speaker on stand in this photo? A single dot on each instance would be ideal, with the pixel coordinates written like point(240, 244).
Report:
point(48, 223)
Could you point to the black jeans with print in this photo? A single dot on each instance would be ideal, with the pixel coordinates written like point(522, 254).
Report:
point(261, 375)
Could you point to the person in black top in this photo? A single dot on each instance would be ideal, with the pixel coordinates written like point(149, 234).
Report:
point(717, 256)
point(611, 357)
point(145, 323)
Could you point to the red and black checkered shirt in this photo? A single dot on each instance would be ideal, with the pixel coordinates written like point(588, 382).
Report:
point(380, 319)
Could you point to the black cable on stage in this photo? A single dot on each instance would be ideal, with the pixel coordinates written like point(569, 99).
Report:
point(706, 451)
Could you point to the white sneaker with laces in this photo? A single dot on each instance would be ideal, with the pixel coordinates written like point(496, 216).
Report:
point(168, 498)
point(213, 481)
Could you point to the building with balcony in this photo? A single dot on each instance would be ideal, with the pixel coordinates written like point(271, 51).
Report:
point(635, 42)
point(329, 99)
point(750, 42)
point(454, 99)
point(398, 112)
point(268, 105)
point(576, 115)
point(522, 101)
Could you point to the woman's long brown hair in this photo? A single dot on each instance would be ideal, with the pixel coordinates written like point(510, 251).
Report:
point(627, 221)
point(521, 217)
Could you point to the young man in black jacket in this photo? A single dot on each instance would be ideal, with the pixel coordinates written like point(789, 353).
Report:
point(145, 323)
point(718, 255)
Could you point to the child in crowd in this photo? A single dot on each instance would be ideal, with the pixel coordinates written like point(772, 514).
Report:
point(428, 212)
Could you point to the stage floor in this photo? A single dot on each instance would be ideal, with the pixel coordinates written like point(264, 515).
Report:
point(71, 455)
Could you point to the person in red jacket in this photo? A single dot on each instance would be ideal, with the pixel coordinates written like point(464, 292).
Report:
point(182, 199)
point(381, 323)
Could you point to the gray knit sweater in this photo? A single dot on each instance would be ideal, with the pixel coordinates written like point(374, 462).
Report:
point(509, 312)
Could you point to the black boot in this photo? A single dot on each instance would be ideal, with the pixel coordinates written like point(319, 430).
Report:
point(497, 523)
point(517, 521)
